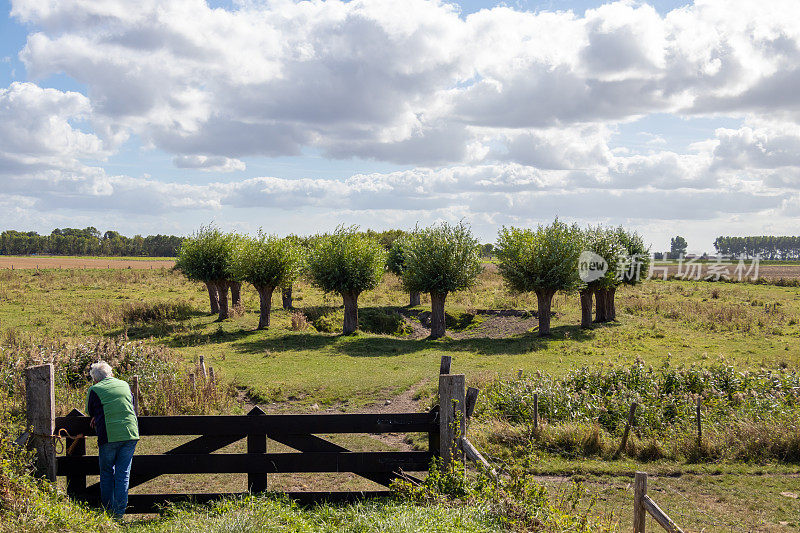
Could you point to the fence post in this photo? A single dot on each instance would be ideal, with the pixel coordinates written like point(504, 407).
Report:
point(451, 417)
point(256, 443)
point(627, 431)
point(211, 374)
point(135, 393)
point(699, 427)
point(76, 483)
point(444, 368)
point(41, 417)
point(639, 494)
point(203, 367)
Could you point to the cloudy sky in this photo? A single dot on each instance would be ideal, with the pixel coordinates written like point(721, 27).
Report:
point(669, 116)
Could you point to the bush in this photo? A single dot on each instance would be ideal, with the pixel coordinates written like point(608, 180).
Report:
point(747, 415)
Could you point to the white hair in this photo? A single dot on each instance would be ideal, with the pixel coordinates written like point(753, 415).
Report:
point(100, 371)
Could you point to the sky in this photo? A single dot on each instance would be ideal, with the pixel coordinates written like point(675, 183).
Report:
point(669, 117)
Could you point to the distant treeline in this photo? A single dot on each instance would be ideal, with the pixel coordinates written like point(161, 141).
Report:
point(768, 247)
point(89, 242)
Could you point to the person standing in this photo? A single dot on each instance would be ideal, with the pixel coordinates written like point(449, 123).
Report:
point(110, 404)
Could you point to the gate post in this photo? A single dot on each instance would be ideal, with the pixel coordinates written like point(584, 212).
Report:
point(40, 407)
point(639, 494)
point(256, 443)
point(76, 483)
point(451, 417)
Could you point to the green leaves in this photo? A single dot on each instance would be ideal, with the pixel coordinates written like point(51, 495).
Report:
point(267, 261)
point(441, 259)
point(346, 261)
point(544, 259)
point(207, 255)
point(637, 266)
point(606, 243)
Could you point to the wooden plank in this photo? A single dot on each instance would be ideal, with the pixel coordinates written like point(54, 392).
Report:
point(268, 463)
point(269, 424)
point(473, 454)
point(256, 443)
point(451, 416)
point(660, 516)
point(202, 444)
point(312, 443)
point(76, 483)
point(639, 494)
point(41, 413)
point(433, 436)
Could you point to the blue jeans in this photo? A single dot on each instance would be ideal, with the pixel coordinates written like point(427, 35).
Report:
point(115, 472)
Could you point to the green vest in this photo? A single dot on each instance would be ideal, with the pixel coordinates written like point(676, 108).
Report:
point(115, 395)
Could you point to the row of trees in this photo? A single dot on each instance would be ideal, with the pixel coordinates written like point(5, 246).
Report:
point(88, 241)
point(437, 260)
point(767, 246)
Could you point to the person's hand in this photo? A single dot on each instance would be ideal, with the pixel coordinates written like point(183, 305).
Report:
point(91, 423)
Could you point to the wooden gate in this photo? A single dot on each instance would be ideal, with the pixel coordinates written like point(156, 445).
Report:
point(298, 431)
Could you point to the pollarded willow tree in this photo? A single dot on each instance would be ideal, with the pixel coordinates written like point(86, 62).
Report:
point(544, 261)
point(634, 268)
point(266, 262)
point(600, 283)
point(396, 263)
point(287, 285)
point(206, 256)
point(441, 259)
point(347, 262)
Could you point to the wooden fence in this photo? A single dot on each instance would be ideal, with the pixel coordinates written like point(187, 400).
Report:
point(445, 427)
point(643, 504)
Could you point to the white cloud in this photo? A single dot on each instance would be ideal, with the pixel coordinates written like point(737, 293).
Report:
point(365, 79)
point(209, 163)
point(503, 115)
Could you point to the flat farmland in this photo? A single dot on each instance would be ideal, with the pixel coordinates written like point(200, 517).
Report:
point(30, 262)
point(700, 271)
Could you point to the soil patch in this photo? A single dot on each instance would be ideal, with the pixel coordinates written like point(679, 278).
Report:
point(67, 263)
point(485, 324)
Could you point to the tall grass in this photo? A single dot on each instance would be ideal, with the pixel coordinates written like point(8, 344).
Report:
point(747, 415)
point(163, 377)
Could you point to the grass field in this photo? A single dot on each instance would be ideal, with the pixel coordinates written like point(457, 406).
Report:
point(744, 325)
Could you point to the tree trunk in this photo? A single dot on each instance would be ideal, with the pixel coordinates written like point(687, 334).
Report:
point(350, 312)
point(213, 297)
point(544, 299)
point(286, 297)
point(265, 295)
point(413, 299)
point(611, 308)
point(236, 293)
point(586, 308)
point(438, 326)
point(222, 293)
point(600, 305)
